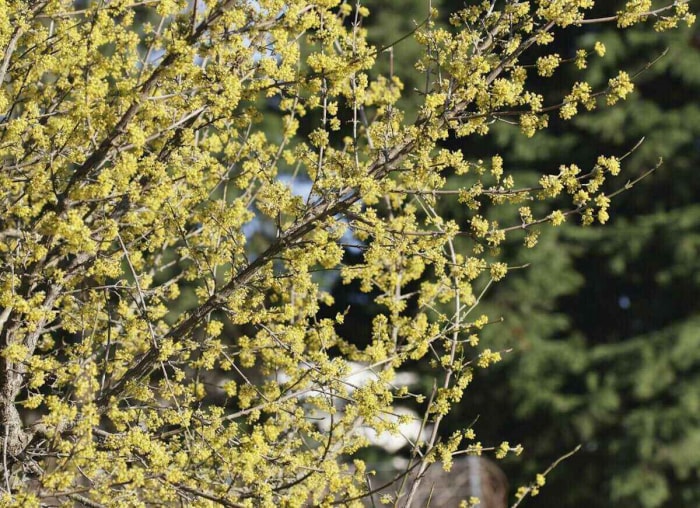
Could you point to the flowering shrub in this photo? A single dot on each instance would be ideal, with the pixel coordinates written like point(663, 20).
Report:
point(153, 350)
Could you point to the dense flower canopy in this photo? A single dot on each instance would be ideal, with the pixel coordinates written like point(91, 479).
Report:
point(163, 279)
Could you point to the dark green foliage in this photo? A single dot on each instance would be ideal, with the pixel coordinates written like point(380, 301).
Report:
point(605, 321)
point(391, 25)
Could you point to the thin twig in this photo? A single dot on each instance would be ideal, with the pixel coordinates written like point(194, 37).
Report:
point(545, 473)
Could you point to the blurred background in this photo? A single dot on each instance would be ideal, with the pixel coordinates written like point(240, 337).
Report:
point(605, 321)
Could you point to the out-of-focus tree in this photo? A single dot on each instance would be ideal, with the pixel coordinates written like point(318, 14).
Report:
point(604, 321)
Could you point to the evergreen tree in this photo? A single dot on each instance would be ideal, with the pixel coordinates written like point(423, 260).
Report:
point(604, 321)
